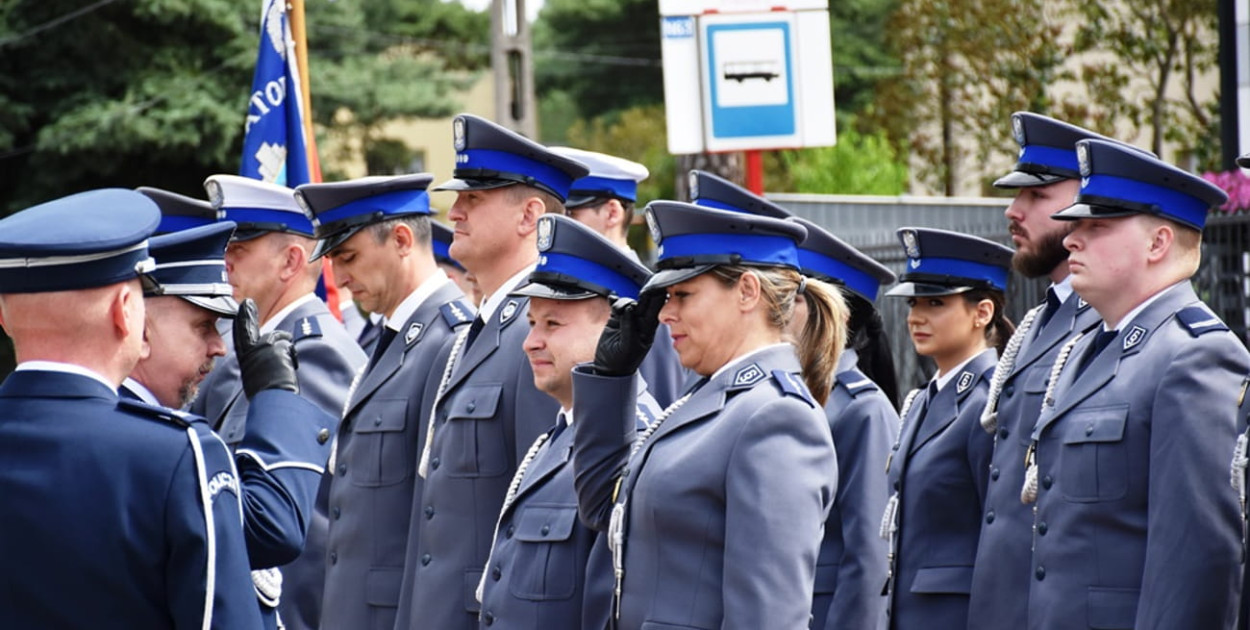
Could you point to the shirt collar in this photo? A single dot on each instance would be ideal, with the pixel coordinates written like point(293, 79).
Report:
point(66, 368)
point(491, 304)
point(567, 416)
point(140, 390)
point(1063, 288)
point(415, 299)
point(271, 324)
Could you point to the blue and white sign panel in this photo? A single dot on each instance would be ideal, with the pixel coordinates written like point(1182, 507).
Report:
point(745, 74)
point(749, 73)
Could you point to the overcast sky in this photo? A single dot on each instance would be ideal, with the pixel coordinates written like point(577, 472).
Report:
point(531, 6)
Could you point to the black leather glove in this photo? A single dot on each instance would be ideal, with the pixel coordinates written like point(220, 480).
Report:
point(266, 362)
point(628, 334)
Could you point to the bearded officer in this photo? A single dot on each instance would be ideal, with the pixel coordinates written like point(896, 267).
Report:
point(1134, 526)
point(579, 274)
point(281, 458)
point(1046, 180)
point(487, 411)
point(120, 514)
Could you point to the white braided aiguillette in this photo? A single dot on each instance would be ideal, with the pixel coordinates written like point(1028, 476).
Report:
point(1006, 363)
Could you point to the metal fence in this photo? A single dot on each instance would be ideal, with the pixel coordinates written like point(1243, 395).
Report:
point(869, 223)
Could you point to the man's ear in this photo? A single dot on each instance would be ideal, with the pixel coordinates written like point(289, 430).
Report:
point(1162, 238)
point(294, 261)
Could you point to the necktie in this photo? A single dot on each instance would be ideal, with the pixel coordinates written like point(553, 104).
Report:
point(474, 329)
point(1100, 342)
point(1052, 307)
point(384, 341)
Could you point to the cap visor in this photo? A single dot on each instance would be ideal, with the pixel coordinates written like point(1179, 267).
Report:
point(327, 244)
point(222, 305)
point(1244, 161)
point(472, 184)
point(247, 235)
point(574, 202)
point(1021, 179)
point(553, 292)
point(665, 278)
point(1087, 211)
point(920, 289)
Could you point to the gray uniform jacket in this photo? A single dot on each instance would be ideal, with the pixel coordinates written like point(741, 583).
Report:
point(1000, 578)
point(374, 472)
point(939, 472)
point(328, 359)
point(486, 419)
point(539, 577)
point(852, 564)
point(1136, 523)
point(724, 503)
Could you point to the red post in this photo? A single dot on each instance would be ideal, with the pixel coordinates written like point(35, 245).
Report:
point(755, 171)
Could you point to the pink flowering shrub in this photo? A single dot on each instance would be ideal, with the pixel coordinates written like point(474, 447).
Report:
point(1237, 184)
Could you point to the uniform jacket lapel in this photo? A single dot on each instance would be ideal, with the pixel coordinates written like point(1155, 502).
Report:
point(509, 311)
point(946, 405)
point(409, 335)
point(1070, 390)
point(1074, 315)
point(553, 457)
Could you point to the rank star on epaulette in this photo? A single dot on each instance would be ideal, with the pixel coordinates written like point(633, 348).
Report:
point(748, 375)
point(964, 382)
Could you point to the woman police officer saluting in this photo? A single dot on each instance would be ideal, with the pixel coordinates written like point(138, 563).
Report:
point(714, 513)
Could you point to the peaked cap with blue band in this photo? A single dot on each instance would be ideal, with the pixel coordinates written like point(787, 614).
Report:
point(1118, 181)
point(1047, 151)
point(710, 191)
point(191, 264)
point(90, 239)
point(257, 207)
point(610, 177)
point(490, 156)
point(694, 239)
point(440, 239)
point(826, 257)
point(340, 209)
point(179, 212)
point(575, 263)
point(940, 262)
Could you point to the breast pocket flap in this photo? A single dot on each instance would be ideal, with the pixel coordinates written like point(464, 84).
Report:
point(957, 580)
point(475, 402)
point(546, 524)
point(1096, 425)
point(383, 416)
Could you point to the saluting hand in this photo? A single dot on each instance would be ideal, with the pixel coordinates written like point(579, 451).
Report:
point(628, 335)
point(266, 362)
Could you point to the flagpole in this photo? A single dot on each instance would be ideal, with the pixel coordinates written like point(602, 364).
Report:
point(299, 33)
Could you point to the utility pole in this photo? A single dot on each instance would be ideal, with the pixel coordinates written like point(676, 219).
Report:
point(512, 63)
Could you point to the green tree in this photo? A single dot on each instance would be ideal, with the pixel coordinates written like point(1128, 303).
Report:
point(858, 164)
point(1159, 49)
point(861, 58)
point(966, 62)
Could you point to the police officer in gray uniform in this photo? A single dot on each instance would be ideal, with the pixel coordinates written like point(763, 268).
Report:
point(1134, 524)
point(954, 285)
point(118, 514)
point(546, 569)
point(1046, 179)
point(487, 411)
point(267, 261)
point(715, 512)
point(377, 232)
point(1240, 479)
point(852, 564)
point(604, 200)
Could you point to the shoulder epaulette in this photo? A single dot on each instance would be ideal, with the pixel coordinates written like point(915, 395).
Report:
point(306, 327)
point(456, 312)
point(855, 382)
point(1198, 320)
point(792, 384)
point(154, 412)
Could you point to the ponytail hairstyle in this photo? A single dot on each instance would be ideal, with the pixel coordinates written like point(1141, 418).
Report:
point(999, 330)
point(867, 336)
point(824, 335)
